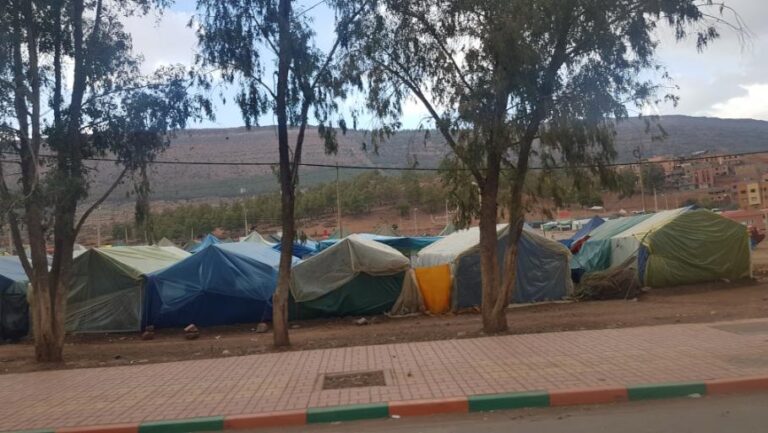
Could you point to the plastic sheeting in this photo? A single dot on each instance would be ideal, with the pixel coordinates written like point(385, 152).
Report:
point(405, 244)
point(595, 253)
point(340, 263)
point(14, 309)
point(300, 250)
point(543, 269)
point(696, 246)
point(255, 237)
point(107, 290)
point(165, 242)
point(208, 240)
point(222, 284)
point(627, 243)
point(435, 286)
point(410, 300)
point(584, 231)
point(363, 295)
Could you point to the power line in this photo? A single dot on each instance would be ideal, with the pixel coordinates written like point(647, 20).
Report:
point(399, 168)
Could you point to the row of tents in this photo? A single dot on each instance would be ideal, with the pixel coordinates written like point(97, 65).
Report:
point(128, 288)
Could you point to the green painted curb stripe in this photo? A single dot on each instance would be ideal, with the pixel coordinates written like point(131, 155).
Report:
point(665, 390)
point(514, 400)
point(347, 413)
point(213, 423)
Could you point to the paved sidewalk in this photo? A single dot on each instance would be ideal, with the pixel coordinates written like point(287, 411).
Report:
point(439, 369)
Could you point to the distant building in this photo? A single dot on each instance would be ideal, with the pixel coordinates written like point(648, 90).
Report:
point(757, 218)
point(750, 194)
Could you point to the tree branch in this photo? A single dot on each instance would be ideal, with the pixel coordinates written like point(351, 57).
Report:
point(98, 202)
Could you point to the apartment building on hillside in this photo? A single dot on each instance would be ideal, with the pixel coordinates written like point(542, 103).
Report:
point(751, 194)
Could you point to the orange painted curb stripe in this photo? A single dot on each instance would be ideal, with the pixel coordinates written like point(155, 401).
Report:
point(271, 419)
point(109, 428)
point(571, 397)
point(429, 407)
point(730, 386)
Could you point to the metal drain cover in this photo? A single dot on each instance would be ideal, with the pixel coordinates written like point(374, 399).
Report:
point(354, 380)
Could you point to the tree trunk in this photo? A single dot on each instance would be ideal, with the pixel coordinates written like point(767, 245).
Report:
point(516, 221)
point(47, 319)
point(280, 299)
point(493, 322)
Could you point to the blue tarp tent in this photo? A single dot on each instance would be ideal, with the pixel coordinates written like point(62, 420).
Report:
point(208, 240)
point(222, 284)
point(14, 310)
point(543, 270)
point(301, 250)
point(404, 244)
point(583, 232)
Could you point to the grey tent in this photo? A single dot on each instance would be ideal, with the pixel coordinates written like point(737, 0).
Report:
point(107, 290)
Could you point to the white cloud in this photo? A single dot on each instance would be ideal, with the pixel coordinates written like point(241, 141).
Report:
point(163, 40)
point(753, 105)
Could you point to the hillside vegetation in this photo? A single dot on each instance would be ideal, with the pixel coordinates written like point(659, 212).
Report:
point(406, 148)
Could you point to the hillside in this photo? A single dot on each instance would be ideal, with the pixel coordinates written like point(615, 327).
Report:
point(178, 182)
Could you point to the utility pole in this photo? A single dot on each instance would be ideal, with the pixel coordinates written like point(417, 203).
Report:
point(666, 202)
point(639, 155)
point(655, 201)
point(125, 229)
point(245, 220)
point(338, 203)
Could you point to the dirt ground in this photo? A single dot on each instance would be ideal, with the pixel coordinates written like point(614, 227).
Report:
point(689, 304)
point(686, 304)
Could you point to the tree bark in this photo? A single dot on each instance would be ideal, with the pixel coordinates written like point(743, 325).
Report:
point(280, 299)
point(489, 264)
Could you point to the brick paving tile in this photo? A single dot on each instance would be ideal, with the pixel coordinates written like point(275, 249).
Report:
point(425, 370)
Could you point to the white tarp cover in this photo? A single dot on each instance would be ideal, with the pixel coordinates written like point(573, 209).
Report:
point(340, 263)
point(447, 249)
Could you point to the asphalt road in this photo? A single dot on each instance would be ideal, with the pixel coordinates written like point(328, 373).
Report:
point(732, 414)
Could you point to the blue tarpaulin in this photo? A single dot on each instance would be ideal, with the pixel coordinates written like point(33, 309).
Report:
point(583, 232)
point(221, 284)
point(207, 241)
point(14, 310)
point(400, 243)
point(300, 250)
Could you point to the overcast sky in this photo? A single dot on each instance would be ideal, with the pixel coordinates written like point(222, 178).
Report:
point(728, 79)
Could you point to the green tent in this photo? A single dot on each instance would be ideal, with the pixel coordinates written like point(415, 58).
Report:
point(355, 276)
point(694, 247)
point(107, 290)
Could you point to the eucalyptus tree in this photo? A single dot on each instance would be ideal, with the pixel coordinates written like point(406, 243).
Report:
point(72, 90)
point(511, 83)
point(267, 49)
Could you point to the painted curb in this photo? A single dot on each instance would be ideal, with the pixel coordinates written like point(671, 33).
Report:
point(264, 420)
point(109, 428)
point(213, 423)
point(733, 386)
point(475, 403)
point(573, 397)
point(512, 400)
point(665, 390)
point(429, 407)
point(347, 413)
